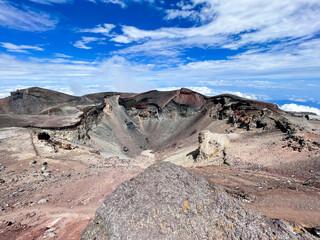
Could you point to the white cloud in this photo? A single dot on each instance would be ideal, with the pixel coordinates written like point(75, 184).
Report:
point(243, 95)
point(113, 74)
point(121, 39)
point(211, 92)
point(122, 3)
point(300, 108)
point(254, 22)
point(49, 2)
point(102, 29)
point(24, 19)
point(119, 2)
point(300, 62)
point(19, 48)
point(120, 74)
point(174, 13)
point(85, 40)
point(202, 90)
point(252, 83)
point(297, 99)
point(61, 55)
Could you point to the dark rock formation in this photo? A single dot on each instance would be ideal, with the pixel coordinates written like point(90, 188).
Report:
point(168, 202)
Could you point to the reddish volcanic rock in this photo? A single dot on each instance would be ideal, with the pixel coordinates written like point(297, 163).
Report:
point(190, 98)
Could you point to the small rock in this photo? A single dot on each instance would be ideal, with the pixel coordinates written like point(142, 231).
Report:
point(49, 234)
point(42, 201)
point(15, 194)
point(33, 162)
point(125, 149)
point(47, 174)
point(9, 223)
point(44, 166)
point(2, 167)
point(2, 181)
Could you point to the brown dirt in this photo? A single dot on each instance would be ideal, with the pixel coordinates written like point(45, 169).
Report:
point(76, 188)
point(274, 195)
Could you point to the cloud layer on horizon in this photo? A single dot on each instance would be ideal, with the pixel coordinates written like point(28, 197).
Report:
point(292, 107)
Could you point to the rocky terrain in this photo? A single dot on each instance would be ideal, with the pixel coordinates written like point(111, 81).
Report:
point(168, 202)
point(61, 155)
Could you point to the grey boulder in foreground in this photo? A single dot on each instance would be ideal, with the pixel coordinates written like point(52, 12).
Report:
point(168, 202)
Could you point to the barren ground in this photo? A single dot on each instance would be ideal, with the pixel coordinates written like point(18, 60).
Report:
point(52, 188)
point(59, 201)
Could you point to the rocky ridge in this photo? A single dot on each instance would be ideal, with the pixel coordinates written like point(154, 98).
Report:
point(121, 121)
point(168, 202)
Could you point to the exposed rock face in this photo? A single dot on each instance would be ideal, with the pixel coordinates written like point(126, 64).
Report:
point(168, 202)
point(211, 147)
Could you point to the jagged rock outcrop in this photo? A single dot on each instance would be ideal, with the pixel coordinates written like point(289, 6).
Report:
point(211, 147)
point(168, 202)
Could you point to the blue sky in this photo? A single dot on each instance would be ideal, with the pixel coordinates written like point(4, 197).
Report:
point(265, 50)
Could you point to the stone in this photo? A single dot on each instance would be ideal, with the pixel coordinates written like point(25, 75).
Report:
point(42, 201)
point(125, 149)
point(44, 166)
point(168, 202)
point(315, 231)
point(47, 174)
point(2, 181)
point(9, 223)
point(211, 147)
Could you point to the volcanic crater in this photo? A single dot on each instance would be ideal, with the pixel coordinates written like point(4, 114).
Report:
point(61, 155)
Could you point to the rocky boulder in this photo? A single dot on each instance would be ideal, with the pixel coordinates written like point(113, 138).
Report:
point(168, 202)
point(211, 147)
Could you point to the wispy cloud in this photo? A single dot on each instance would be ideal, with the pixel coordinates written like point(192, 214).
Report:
point(61, 55)
point(49, 2)
point(123, 3)
point(229, 24)
point(24, 18)
point(102, 29)
point(117, 2)
point(86, 40)
point(20, 48)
